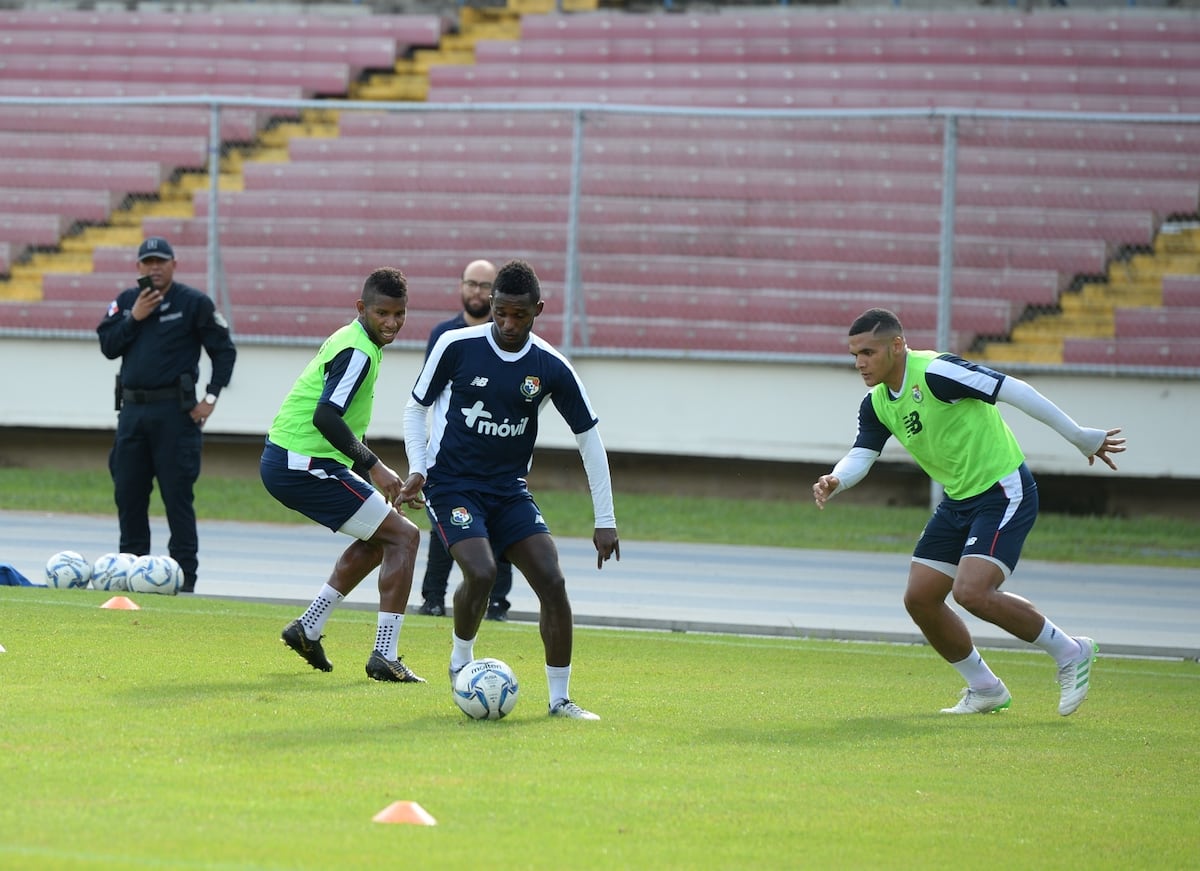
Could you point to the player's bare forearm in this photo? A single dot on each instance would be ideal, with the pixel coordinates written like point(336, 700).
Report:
point(386, 481)
point(608, 545)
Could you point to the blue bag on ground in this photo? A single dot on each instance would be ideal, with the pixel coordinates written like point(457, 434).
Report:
point(10, 577)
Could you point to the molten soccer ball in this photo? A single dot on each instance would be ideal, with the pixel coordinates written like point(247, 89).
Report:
point(111, 571)
point(486, 689)
point(68, 569)
point(176, 571)
point(153, 574)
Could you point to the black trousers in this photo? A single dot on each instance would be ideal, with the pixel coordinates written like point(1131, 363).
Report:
point(437, 575)
point(157, 441)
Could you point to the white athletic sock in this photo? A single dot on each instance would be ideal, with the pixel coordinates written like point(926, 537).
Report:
point(1057, 643)
point(976, 672)
point(463, 652)
point(558, 678)
point(387, 634)
point(313, 620)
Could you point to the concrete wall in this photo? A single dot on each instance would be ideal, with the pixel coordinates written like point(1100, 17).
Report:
point(756, 411)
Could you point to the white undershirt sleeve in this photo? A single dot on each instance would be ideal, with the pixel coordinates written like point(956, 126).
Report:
point(595, 464)
point(1021, 395)
point(416, 436)
point(853, 467)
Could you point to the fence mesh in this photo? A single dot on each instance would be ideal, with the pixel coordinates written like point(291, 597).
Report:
point(711, 232)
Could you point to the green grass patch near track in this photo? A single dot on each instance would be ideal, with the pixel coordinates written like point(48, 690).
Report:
point(1155, 541)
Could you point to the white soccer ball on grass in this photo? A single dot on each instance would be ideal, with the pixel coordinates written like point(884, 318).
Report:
point(68, 569)
point(155, 574)
point(486, 689)
point(111, 572)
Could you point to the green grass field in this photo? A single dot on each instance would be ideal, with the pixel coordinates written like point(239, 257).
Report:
point(184, 735)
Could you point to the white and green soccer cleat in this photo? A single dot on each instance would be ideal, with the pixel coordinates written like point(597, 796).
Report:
point(982, 701)
point(1075, 678)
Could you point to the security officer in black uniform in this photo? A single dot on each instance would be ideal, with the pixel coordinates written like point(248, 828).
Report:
point(158, 329)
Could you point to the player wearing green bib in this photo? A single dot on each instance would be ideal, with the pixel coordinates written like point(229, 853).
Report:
point(942, 409)
point(316, 462)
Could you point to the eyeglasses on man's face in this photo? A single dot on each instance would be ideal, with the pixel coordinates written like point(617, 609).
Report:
point(477, 285)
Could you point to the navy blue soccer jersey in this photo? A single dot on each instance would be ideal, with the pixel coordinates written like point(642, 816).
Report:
point(486, 402)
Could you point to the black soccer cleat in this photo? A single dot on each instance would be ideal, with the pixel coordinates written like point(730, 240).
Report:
point(310, 651)
point(391, 670)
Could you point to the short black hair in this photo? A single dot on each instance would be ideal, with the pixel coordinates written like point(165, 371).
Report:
point(877, 321)
point(385, 281)
point(517, 278)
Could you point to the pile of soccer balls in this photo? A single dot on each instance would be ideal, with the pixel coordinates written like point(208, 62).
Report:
point(116, 572)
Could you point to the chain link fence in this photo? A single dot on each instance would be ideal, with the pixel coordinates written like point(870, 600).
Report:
point(1069, 239)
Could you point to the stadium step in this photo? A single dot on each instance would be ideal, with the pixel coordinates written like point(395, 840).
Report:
point(1045, 351)
point(1178, 240)
point(90, 237)
point(1104, 297)
point(1093, 324)
point(393, 88)
point(21, 289)
point(61, 261)
point(424, 58)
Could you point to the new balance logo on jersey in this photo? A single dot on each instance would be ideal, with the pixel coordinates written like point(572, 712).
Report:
point(480, 419)
point(479, 381)
point(912, 424)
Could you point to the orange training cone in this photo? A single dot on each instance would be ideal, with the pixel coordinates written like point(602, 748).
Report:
point(405, 812)
point(121, 603)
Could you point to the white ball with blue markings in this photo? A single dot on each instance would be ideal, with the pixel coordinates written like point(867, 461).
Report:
point(176, 571)
point(111, 572)
point(486, 689)
point(68, 569)
point(153, 574)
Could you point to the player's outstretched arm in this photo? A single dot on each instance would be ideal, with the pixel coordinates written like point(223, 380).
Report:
point(608, 544)
point(824, 489)
point(1111, 445)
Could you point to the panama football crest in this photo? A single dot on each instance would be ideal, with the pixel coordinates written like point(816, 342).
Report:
point(460, 517)
point(916, 393)
point(531, 386)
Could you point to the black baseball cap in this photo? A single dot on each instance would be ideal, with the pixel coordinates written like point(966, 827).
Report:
point(156, 247)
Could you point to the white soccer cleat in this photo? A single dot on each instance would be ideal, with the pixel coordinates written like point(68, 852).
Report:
point(982, 701)
point(1075, 677)
point(570, 710)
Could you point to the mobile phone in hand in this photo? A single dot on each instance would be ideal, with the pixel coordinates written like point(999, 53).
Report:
point(145, 282)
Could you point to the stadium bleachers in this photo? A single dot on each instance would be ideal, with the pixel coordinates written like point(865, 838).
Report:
point(781, 231)
point(1181, 290)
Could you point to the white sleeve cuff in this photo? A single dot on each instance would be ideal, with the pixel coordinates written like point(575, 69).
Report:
point(853, 467)
point(1023, 396)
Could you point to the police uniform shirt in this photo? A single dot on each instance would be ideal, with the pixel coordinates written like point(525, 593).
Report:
point(156, 351)
point(486, 403)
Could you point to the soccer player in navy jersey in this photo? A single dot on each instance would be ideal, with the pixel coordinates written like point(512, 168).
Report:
point(942, 409)
point(469, 430)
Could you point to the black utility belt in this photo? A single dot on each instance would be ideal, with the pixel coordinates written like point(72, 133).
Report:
point(158, 394)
